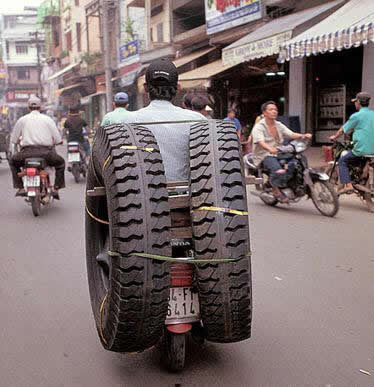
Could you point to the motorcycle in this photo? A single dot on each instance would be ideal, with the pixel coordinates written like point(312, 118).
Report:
point(36, 181)
point(304, 181)
point(4, 145)
point(361, 171)
point(77, 160)
point(183, 316)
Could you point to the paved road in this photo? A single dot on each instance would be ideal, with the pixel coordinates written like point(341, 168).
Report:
point(313, 303)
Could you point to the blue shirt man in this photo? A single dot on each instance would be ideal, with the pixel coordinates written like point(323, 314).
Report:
point(362, 124)
point(231, 117)
point(120, 114)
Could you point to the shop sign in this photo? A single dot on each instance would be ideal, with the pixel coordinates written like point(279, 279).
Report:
point(258, 49)
point(129, 53)
point(221, 15)
point(128, 74)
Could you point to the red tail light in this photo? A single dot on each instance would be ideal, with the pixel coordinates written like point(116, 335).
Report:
point(31, 171)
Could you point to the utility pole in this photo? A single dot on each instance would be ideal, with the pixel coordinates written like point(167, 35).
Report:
point(107, 54)
point(37, 41)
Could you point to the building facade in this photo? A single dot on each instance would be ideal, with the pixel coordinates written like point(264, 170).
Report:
point(23, 53)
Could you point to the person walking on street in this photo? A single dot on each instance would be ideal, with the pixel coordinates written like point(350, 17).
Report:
point(362, 124)
point(231, 117)
point(199, 104)
point(120, 114)
point(37, 135)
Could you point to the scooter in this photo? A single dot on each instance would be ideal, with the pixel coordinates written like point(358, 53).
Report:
point(36, 181)
point(77, 160)
point(303, 181)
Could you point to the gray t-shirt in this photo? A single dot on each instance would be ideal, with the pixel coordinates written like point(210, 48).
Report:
point(261, 133)
point(173, 139)
point(35, 129)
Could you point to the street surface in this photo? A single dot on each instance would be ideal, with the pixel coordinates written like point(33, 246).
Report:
point(313, 302)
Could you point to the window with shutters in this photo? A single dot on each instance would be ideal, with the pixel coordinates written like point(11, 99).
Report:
point(22, 49)
point(68, 41)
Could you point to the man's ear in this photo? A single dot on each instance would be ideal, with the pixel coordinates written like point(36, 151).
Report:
point(146, 88)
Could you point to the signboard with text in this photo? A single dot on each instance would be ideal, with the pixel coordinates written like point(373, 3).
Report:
point(129, 53)
point(221, 15)
point(257, 49)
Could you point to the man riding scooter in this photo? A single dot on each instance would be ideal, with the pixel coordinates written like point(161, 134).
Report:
point(37, 135)
point(267, 135)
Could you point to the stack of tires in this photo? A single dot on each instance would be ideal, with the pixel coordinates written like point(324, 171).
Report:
point(129, 294)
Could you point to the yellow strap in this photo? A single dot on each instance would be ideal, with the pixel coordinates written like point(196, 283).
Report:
point(221, 209)
point(94, 217)
point(101, 317)
point(106, 162)
point(133, 147)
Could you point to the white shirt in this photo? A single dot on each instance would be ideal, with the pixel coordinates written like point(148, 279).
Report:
point(35, 129)
point(173, 139)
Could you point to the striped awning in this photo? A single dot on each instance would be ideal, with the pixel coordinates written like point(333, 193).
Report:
point(349, 26)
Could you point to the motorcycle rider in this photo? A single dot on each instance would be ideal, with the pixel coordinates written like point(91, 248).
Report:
point(120, 114)
point(37, 135)
point(267, 134)
point(76, 125)
point(362, 124)
point(173, 139)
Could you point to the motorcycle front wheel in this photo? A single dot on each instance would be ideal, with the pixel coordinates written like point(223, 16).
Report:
point(35, 205)
point(325, 198)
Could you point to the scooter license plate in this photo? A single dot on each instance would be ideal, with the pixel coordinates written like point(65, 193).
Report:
point(74, 157)
point(183, 304)
point(31, 181)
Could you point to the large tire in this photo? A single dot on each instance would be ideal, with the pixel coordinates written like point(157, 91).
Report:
point(35, 205)
point(129, 295)
point(217, 179)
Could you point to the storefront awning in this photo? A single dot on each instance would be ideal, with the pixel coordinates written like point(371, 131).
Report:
point(349, 26)
point(63, 71)
point(70, 88)
point(200, 77)
point(266, 40)
point(88, 98)
point(189, 58)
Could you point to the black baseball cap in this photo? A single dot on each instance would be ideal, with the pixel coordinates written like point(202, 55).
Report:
point(363, 96)
point(162, 71)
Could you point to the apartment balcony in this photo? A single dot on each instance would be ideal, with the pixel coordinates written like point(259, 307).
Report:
point(193, 36)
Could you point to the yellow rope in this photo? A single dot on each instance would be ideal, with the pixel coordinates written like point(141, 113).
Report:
point(220, 209)
point(106, 162)
point(133, 147)
point(94, 217)
point(101, 317)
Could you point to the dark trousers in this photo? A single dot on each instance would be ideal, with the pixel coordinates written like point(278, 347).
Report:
point(279, 180)
point(51, 157)
point(343, 165)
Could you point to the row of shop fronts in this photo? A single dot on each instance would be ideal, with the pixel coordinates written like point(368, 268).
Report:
point(311, 63)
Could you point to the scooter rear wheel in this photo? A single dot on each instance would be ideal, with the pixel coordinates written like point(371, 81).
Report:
point(174, 351)
point(35, 205)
